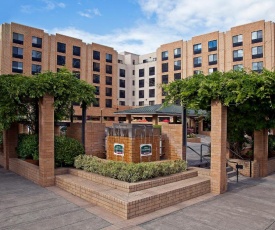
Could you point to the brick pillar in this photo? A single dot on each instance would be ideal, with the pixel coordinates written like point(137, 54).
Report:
point(155, 119)
point(46, 141)
point(128, 119)
point(10, 139)
point(261, 151)
point(218, 147)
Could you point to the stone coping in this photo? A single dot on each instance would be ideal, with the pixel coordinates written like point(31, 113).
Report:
point(137, 186)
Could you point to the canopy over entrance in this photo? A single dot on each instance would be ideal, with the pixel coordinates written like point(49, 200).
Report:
point(160, 110)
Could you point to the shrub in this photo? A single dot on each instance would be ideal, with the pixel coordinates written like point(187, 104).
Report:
point(66, 149)
point(28, 146)
point(132, 172)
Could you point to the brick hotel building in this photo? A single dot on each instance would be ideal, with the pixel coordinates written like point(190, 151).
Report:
point(127, 79)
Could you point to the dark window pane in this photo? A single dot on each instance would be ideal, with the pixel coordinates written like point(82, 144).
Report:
point(76, 63)
point(36, 42)
point(96, 78)
point(61, 47)
point(36, 55)
point(17, 67)
point(122, 93)
point(164, 79)
point(36, 69)
point(76, 50)
point(122, 72)
point(151, 81)
point(109, 80)
point(141, 93)
point(108, 92)
point(96, 67)
point(109, 58)
point(108, 103)
point(141, 72)
point(109, 69)
point(141, 83)
point(151, 71)
point(151, 92)
point(97, 90)
point(164, 67)
point(177, 76)
point(61, 60)
point(17, 52)
point(96, 55)
point(121, 83)
point(18, 38)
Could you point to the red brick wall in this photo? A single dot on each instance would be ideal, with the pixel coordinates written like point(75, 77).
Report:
point(172, 141)
point(132, 148)
point(261, 151)
point(94, 137)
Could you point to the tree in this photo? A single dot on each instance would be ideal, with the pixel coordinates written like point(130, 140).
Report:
point(19, 95)
point(249, 96)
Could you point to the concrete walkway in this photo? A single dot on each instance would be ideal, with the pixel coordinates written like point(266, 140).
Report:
point(250, 204)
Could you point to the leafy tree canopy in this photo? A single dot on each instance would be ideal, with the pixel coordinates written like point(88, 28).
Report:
point(19, 95)
point(249, 96)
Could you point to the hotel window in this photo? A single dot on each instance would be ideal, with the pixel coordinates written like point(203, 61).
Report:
point(109, 80)
point(197, 48)
point(257, 66)
point(96, 78)
point(97, 90)
point(120, 61)
point(96, 55)
point(177, 53)
point(36, 69)
point(96, 67)
point(17, 52)
point(141, 72)
point(151, 71)
point(164, 55)
point(237, 67)
point(61, 60)
point(212, 59)
point(61, 47)
point(164, 79)
point(18, 38)
point(133, 72)
point(211, 70)
point(177, 76)
point(151, 82)
point(141, 84)
point(237, 55)
point(151, 92)
point(76, 50)
point(141, 103)
point(36, 42)
point(76, 63)
point(197, 62)
point(96, 103)
point(177, 65)
point(76, 74)
point(133, 93)
point(212, 45)
point(141, 93)
point(108, 103)
point(36, 55)
point(237, 40)
point(122, 103)
point(109, 58)
point(108, 92)
point(122, 72)
point(257, 36)
point(121, 83)
point(17, 67)
point(133, 82)
point(164, 67)
point(145, 61)
point(197, 72)
point(109, 69)
point(122, 93)
point(151, 102)
point(257, 52)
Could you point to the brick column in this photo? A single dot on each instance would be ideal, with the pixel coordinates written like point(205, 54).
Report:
point(57, 130)
point(46, 141)
point(10, 139)
point(261, 151)
point(155, 119)
point(218, 147)
point(128, 118)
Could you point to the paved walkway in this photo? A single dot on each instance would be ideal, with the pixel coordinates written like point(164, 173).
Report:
point(249, 204)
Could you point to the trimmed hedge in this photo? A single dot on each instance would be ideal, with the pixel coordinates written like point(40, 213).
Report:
point(129, 172)
point(65, 148)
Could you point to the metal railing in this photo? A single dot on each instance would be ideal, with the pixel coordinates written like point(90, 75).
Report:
point(199, 154)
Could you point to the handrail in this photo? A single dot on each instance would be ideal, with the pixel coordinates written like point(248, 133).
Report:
point(237, 168)
point(207, 145)
point(198, 154)
point(236, 154)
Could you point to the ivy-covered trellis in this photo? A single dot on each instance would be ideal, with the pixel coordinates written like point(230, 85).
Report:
point(19, 96)
point(249, 96)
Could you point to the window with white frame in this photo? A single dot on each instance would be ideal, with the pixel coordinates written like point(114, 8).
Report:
point(257, 66)
point(257, 52)
point(257, 36)
point(238, 55)
point(212, 59)
point(237, 40)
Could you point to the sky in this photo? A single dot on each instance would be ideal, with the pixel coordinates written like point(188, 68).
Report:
point(137, 26)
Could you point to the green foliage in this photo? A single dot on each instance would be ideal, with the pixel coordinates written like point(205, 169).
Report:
point(66, 149)
point(191, 135)
point(19, 95)
point(28, 146)
point(129, 172)
point(249, 96)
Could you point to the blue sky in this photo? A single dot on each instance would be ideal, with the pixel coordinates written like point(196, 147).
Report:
point(138, 26)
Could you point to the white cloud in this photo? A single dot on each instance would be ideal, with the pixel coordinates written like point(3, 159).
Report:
point(88, 13)
point(171, 20)
point(49, 5)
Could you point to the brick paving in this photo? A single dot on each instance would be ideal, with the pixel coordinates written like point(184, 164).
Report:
point(250, 204)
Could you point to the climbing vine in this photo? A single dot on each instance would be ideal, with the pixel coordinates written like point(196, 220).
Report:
point(19, 95)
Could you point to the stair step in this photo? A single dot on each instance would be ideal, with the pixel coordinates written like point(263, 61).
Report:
point(129, 205)
point(133, 187)
point(231, 174)
point(229, 169)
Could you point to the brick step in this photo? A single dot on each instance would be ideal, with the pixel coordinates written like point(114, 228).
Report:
point(129, 205)
point(133, 187)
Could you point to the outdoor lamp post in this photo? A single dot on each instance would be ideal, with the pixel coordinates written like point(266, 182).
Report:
point(184, 132)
